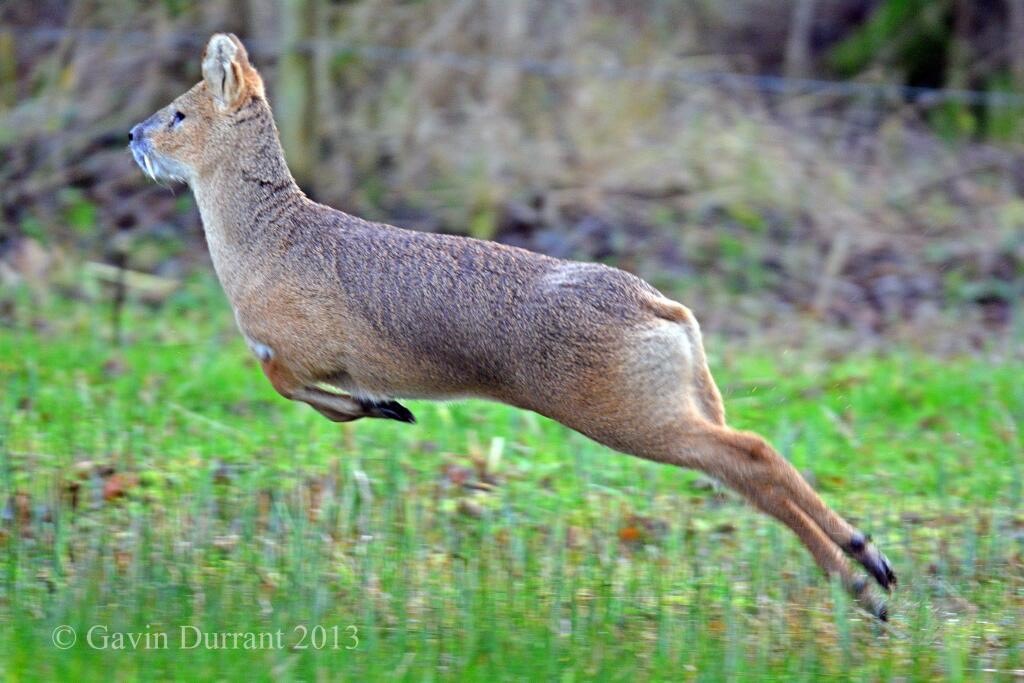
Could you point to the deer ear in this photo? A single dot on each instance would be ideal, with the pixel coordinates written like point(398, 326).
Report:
point(226, 70)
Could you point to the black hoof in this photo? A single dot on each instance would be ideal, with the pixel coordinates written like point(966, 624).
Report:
point(872, 559)
point(389, 410)
point(878, 566)
point(869, 599)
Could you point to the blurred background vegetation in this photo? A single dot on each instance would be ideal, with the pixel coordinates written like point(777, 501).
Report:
point(855, 164)
point(839, 178)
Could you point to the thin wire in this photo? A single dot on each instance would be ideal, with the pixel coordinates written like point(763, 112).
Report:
point(561, 69)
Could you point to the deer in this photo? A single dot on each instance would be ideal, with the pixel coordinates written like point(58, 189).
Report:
point(349, 316)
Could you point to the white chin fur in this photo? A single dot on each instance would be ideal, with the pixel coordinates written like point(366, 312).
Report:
point(157, 169)
point(149, 166)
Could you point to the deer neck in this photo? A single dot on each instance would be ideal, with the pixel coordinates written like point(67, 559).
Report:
point(247, 207)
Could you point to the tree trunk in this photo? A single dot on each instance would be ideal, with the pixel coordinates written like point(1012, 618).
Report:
point(958, 72)
point(295, 98)
point(8, 69)
point(798, 44)
point(1015, 39)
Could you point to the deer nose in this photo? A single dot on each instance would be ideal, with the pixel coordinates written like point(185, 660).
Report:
point(135, 133)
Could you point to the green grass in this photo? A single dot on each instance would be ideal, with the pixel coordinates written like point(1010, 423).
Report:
point(244, 512)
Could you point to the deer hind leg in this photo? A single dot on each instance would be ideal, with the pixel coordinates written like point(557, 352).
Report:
point(783, 478)
point(745, 462)
point(336, 407)
point(685, 426)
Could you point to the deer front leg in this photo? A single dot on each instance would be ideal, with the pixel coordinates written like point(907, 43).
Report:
point(335, 407)
point(345, 408)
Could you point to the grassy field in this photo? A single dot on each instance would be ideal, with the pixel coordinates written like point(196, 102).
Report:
point(163, 485)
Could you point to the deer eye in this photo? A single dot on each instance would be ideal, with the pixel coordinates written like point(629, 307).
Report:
point(178, 118)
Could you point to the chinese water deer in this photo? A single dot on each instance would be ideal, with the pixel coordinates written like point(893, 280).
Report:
point(326, 299)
